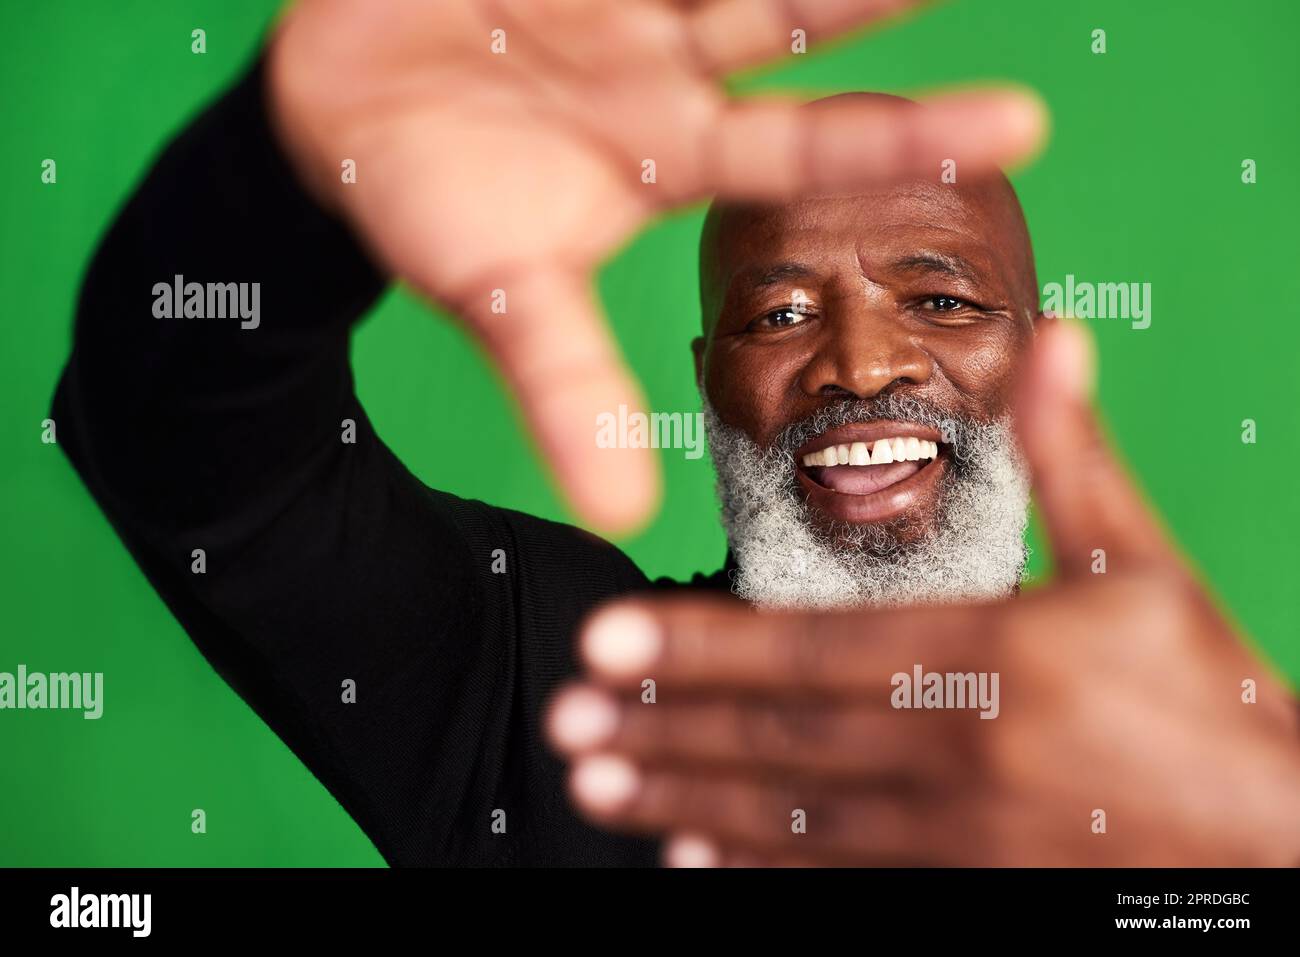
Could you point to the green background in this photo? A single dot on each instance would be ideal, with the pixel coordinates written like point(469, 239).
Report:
point(1141, 182)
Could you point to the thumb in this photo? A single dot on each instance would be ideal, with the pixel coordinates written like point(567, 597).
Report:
point(1085, 497)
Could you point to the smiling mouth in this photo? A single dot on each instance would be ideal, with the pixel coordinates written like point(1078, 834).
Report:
point(865, 468)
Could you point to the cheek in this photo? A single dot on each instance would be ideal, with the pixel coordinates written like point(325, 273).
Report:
point(983, 366)
point(751, 388)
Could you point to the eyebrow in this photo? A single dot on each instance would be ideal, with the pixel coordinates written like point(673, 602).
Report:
point(946, 263)
point(779, 273)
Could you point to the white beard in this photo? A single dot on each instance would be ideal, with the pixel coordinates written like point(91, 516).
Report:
point(976, 551)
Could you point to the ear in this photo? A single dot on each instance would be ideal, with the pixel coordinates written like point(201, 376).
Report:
point(698, 347)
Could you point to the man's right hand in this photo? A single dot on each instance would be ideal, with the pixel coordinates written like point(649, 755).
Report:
point(522, 170)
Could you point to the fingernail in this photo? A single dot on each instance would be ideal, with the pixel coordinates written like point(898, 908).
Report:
point(1071, 363)
point(1028, 114)
point(583, 719)
point(691, 850)
point(1019, 117)
point(622, 641)
point(605, 783)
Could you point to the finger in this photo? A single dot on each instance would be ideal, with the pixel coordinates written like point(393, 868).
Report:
point(802, 820)
point(546, 335)
point(729, 34)
point(768, 149)
point(836, 742)
point(694, 644)
point(692, 851)
point(1090, 507)
point(697, 851)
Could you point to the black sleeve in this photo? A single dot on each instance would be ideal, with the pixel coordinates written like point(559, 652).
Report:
point(323, 561)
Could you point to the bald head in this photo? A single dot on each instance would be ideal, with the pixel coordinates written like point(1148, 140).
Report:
point(985, 208)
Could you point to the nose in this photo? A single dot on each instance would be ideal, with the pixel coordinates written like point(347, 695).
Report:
point(865, 349)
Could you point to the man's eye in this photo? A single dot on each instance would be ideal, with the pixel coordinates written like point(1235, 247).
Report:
point(944, 303)
point(781, 318)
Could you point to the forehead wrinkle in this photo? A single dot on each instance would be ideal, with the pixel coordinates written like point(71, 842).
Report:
point(972, 270)
point(956, 229)
point(777, 274)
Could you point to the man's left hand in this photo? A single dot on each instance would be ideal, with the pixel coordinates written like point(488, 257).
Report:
point(1130, 725)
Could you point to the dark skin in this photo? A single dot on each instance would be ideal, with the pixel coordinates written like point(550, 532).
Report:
point(1121, 691)
point(521, 171)
point(926, 291)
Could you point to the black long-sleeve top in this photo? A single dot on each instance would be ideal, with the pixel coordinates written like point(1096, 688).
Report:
point(325, 561)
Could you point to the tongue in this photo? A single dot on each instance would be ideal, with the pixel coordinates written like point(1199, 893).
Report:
point(863, 479)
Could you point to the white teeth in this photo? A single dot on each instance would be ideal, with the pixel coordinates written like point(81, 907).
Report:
point(900, 448)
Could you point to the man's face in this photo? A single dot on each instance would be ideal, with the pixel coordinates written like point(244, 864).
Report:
point(866, 348)
point(923, 292)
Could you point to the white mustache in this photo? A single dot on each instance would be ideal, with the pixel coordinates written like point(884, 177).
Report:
point(975, 552)
point(957, 430)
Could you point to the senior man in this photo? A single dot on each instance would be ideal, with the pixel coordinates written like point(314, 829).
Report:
point(867, 331)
